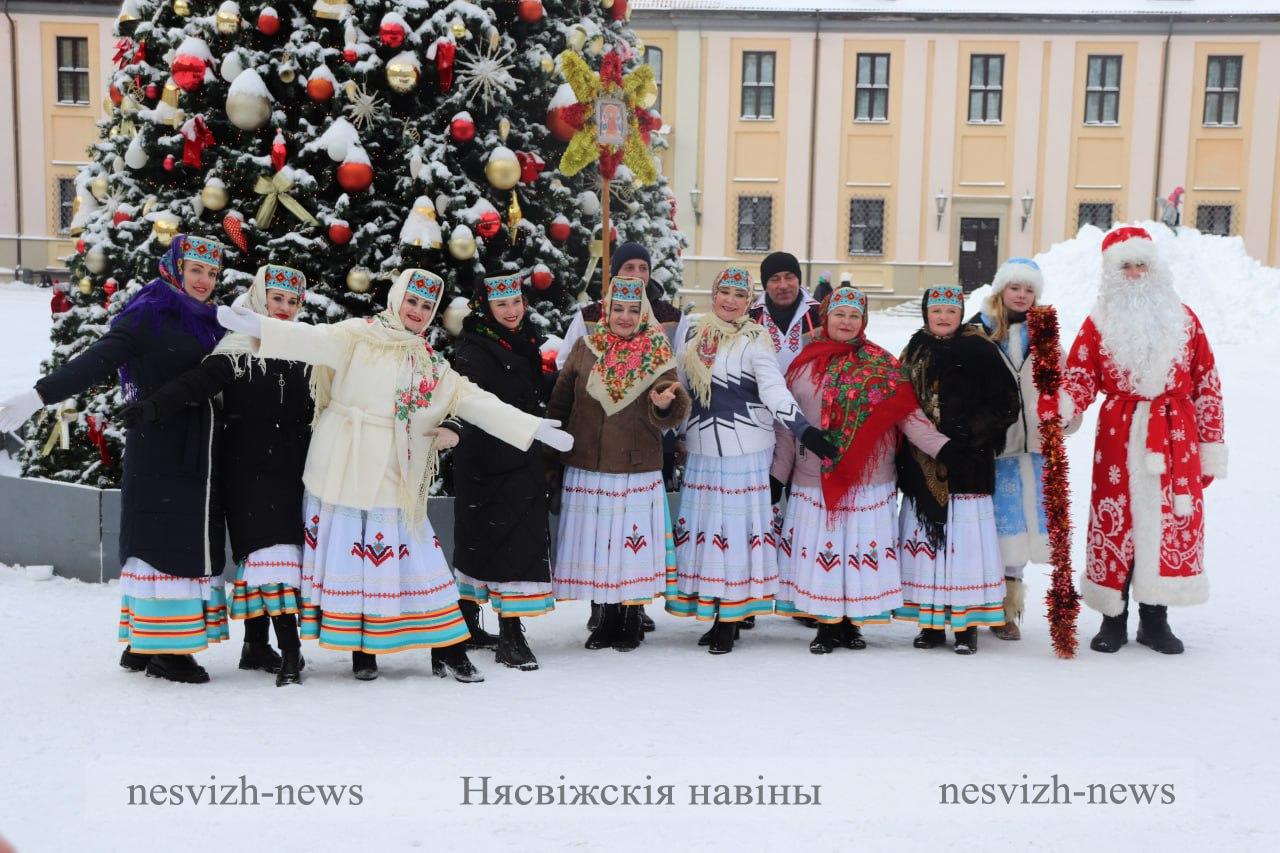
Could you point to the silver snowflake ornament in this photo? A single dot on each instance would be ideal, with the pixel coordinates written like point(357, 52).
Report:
point(485, 74)
point(364, 106)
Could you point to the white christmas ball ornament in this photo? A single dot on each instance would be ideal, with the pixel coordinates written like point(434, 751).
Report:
point(135, 156)
point(248, 101)
point(231, 67)
point(95, 260)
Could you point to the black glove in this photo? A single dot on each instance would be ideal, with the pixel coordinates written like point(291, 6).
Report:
point(775, 490)
point(141, 412)
point(815, 442)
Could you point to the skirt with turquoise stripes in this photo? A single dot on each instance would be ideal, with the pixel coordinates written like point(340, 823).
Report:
point(267, 583)
point(166, 614)
point(508, 598)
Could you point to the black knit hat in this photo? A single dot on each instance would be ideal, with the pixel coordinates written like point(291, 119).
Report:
point(627, 252)
point(779, 262)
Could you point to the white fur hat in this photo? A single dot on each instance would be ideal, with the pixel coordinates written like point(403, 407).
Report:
point(1127, 244)
point(1022, 270)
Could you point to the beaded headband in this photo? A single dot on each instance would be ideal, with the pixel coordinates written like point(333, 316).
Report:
point(626, 289)
point(285, 278)
point(501, 286)
point(425, 284)
point(947, 294)
point(734, 277)
point(202, 249)
point(848, 297)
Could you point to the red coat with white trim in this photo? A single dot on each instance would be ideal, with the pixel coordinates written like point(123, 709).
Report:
point(1147, 505)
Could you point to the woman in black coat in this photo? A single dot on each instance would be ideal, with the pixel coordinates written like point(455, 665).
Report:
point(171, 532)
point(266, 429)
point(501, 537)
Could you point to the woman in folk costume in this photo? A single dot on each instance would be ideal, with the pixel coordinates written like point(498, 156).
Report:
point(266, 427)
point(837, 547)
point(727, 563)
point(171, 530)
point(617, 392)
point(952, 571)
point(501, 538)
point(374, 579)
point(1019, 495)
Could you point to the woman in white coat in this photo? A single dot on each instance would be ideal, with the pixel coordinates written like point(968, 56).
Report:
point(374, 578)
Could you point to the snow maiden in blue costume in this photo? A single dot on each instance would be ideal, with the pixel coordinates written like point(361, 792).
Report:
point(725, 553)
point(171, 530)
point(1019, 495)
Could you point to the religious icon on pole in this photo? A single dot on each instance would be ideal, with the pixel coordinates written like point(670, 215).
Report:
point(611, 121)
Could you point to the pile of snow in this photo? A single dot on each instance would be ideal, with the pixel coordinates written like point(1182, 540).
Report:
point(1234, 295)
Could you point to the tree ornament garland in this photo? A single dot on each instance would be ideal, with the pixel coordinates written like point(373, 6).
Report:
point(588, 87)
point(1062, 599)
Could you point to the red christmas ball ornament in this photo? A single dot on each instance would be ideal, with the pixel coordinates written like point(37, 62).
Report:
point(559, 127)
point(153, 91)
point(114, 93)
point(531, 166)
point(619, 10)
point(391, 31)
point(120, 216)
point(530, 11)
point(319, 89)
point(279, 152)
point(350, 55)
point(541, 277)
point(80, 246)
point(110, 286)
point(462, 128)
point(355, 176)
point(268, 21)
point(489, 225)
point(339, 232)
point(188, 71)
point(168, 162)
point(560, 229)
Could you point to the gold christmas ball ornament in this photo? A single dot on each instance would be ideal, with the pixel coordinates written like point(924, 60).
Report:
point(170, 93)
point(359, 280)
point(402, 75)
point(85, 286)
point(98, 186)
point(181, 8)
point(458, 28)
point(606, 4)
point(462, 244)
point(214, 196)
point(227, 21)
point(163, 229)
point(503, 169)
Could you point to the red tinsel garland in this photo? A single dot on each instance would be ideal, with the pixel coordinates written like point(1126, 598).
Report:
point(1062, 600)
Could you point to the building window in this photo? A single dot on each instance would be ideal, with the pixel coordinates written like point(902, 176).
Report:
point(1222, 91)
point(73, 70)
point(757, 84)
point(1100, 214)
point(866, 226)
point(871, 99)
point(653, 58)
point(755, 223)
point(986, 88)
point(1102, 91)
point(1214, 219)
point(66, 195)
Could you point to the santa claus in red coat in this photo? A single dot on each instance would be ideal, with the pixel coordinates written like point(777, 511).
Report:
point(1158, 447)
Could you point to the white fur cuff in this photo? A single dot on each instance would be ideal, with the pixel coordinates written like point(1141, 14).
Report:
point(1182, 505)
point(1213, 460)
point(1066, 406)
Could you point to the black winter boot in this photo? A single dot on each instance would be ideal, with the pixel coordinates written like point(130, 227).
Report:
point(1154, 631)
point(480, 638)
point(1114, 632)
point(286, 625)
point(180, 668)
point(602, 634)
point(929, 638)
point(290, 668)
point(453, 660)
point(513, 651)
point(967, 641)
point(827, 638)
point(257, 652)
point(645, 622)
point(747, 624)
point(722, 637)
point(597, 613)
point(630, 631)
point(133, 661)
point(705, 639)
point(851, 635)
point(364, 666)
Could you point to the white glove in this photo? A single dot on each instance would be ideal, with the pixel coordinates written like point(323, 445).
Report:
point(15, 410)
point(549, 434)
point(443, 436)
point(237, 318)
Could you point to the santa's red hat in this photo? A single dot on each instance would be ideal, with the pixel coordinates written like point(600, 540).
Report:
point(1127, 244)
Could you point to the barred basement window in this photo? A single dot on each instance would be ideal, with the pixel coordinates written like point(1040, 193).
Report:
point(757, 84)
point(1214, 219)
point(1222, 91)
point(755, 223)
point(1096, 213)
point(653, 58)
point(866, 226)
point(871, 88)
point(1102, 91)
point(986, 88)
point(73, 70)
point(66, 195)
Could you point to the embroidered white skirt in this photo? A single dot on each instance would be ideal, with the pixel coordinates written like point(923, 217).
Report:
point(843, 563)
point(611, 540)
point(166, 614)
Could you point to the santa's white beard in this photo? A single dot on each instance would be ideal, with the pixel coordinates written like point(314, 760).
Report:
point(1143, 326)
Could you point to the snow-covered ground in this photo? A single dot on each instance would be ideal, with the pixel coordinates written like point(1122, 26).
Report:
point(880, 730)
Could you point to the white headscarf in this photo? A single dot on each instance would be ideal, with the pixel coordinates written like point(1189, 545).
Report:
point(242, 349)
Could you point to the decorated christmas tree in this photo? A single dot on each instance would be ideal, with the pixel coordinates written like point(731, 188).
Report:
point(351, 140)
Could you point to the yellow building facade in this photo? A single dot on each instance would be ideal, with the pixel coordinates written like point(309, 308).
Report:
point(900, 147)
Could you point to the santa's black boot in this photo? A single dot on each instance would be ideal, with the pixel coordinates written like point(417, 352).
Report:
point(480, 638)
point(1114, 632)
point(257, 652)
point(453, 660)
point(630, 630)
point(601, 636)
point(1154, 631)
point(286, 625)
point(132, 661)
point(827, 638)
point(364, 666)
point(513, 651)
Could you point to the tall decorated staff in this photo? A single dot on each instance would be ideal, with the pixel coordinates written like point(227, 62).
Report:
point(1062, 599)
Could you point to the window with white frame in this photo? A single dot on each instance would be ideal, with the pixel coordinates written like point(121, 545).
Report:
point(1222, 91)
point(73, 70)
point(1214, 219)
point(986, 88)
point(653, 58)
point(755, 223)
point(1102, 90)
point(866, 226)
point(757, 83)
point(871, 88)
